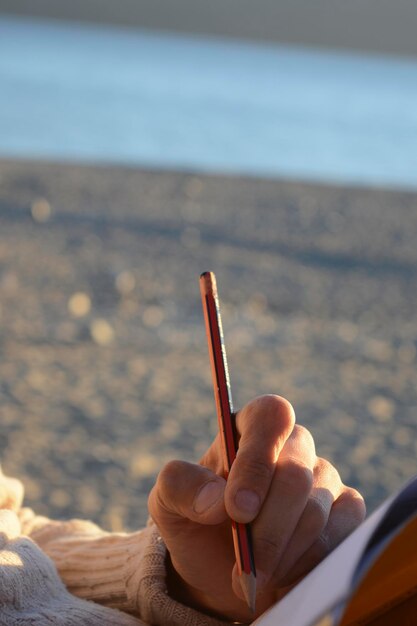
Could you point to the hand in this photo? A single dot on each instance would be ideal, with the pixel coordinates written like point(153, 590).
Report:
point(298, 507)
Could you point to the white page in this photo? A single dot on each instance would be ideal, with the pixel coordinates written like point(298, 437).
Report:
point(328, 583)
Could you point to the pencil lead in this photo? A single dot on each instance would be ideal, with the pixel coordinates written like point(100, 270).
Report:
point(248, 585)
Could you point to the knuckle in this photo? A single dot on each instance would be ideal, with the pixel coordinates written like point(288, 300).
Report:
point(323, 465)
point(318, 515)
point(353, 501)
point(283, 410)
point(256, 470)
point(280, 409)
point(295, 476)
point(303, 437)
point(169, 476)
point(170, 469)
point(326, 473)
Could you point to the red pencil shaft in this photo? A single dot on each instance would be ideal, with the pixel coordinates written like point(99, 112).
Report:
point(221, 385)
point(224, 410)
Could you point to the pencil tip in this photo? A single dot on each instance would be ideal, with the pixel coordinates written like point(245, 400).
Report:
point(248, 584)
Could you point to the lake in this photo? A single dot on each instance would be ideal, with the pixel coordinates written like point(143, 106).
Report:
point(72, 92)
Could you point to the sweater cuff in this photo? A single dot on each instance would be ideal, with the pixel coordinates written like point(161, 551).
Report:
point(91, 562)
point(147, 589)
point(126, 571)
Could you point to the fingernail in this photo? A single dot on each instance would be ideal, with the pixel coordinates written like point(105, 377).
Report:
point(247, 502)
point(207, 497)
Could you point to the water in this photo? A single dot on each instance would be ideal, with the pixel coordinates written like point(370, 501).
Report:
point(92, 94)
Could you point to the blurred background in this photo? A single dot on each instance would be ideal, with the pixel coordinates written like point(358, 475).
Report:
point(142, 143)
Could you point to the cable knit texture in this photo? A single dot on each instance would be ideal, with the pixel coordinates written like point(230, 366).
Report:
point(76, 574)
point(31, 592)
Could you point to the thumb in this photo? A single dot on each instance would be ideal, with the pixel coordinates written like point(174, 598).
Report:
point(187, 491)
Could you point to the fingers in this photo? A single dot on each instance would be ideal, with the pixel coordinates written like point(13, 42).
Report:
point(187, 491)
point(327, 487)
point(264, 426)
point(288, 496)
point(347, 512)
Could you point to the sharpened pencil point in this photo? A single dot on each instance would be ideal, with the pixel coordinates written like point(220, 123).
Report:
point(248, 584)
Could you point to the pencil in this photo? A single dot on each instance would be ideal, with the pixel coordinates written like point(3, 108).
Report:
point(224, 405)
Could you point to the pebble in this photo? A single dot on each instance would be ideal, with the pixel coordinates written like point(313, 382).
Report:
point(60, 498)
point(102, 332)
point(41, 210)
point(125, 282)
point(144, 464)
point(407, 354)
point(153, 316)
point(381, 408)
point(79, 304)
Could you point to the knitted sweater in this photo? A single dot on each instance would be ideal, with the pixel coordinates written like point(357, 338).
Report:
point(76, 574)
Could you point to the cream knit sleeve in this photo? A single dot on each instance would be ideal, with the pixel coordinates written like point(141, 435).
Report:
point(119, 570)
point(31, 592)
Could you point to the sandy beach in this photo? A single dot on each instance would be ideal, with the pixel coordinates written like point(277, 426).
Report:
point(104, 370)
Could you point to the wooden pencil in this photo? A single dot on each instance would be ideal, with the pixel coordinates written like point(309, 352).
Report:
point(224, 405)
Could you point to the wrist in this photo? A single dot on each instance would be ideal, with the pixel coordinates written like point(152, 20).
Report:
point(178, 589)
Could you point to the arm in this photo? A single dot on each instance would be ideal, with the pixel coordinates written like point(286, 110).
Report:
point(125, 571)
